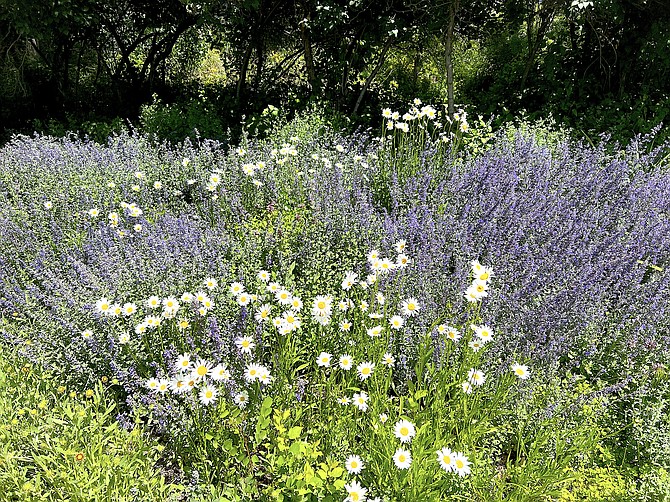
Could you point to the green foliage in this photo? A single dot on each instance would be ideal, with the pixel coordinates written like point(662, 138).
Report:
point(175, 122)
point(61, 444)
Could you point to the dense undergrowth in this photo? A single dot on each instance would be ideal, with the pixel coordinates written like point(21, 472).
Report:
point(462, 315)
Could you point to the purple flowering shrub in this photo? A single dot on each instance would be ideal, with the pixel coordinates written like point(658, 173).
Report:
point(579, 239)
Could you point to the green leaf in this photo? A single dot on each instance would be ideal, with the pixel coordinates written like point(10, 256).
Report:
point(294, 449)
point(294, 432)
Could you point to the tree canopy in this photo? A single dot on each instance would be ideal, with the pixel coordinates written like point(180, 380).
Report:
point(94, 58)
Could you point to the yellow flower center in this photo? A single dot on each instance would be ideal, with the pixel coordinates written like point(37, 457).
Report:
point(208, 394)
point(401, 458)
point(321, 305)
point(459, 464)
point(404, 431)
point(202, 370)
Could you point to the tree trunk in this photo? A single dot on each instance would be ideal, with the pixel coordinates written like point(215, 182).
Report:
point(448, 56)
point(368, 81)
point(309, 57)
point(242, 81)
point(348, 58)
point(534, 43)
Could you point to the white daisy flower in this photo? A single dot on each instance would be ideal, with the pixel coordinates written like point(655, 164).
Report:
point(354, 464)
point(360, 401)
point(245, 344)
point(263, 312)
point(208, 394)
point(296, 303)
point(152, 384)
point(236, 288)
point(220, 373)
point(241, 399)
point(484, 333)
point(283, 296)
point(343, 401)
point(346, 362)
point(461, 464)
point(446, 459)
point(252, 372)
point(404, 430)
point(103, 305)
point(211, 283)
point(323, 360)
point(475, 345)
point(375, 331)
point(178, 386)
point(521, 371)
point(153, 302)
point(476, 377)
point(453, 334)
point(396, 322)
point(403, 260)
point(365, 370)
point(355, 492)
point(350, 279)
point(410, 307)
point(129, 309)
point(388, 360)
point(163, 386)
point(402, 459)
point(201, 369)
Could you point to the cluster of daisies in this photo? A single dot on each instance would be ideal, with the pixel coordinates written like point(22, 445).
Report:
point(422, 115)
point(203, 377)
point(337, 159)
point(404, 430)
point(158, 310)
point(131, 210)
point(481, 277)
point(189, 375)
